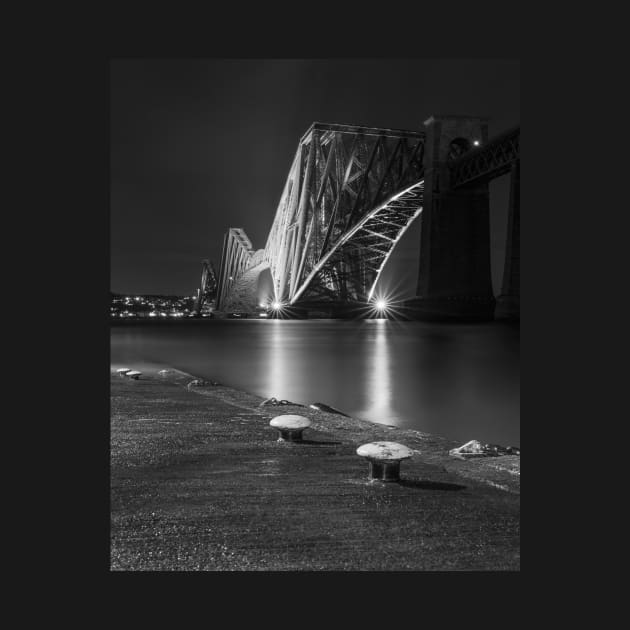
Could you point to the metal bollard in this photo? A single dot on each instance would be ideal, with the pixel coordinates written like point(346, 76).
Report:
point(290, 427)
point(384, 459)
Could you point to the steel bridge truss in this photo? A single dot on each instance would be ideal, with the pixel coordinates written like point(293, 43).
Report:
point(235, 260)
point(350, 194)
point(492, 160)
point(208, 288)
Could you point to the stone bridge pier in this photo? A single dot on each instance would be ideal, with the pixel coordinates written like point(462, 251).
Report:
point(454, 280)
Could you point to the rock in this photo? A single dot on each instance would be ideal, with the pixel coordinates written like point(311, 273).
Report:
point(197, 383)
point(268, 401)
point(322, 407)
point(274, 402)
point(476, 449)
point(470, 449)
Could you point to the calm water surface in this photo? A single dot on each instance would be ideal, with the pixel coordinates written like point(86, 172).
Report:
point(459, 381)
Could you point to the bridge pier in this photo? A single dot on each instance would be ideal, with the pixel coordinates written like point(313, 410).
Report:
point(454, 281)
point(509, 301)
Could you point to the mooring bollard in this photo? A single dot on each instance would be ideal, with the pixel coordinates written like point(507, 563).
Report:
point(384, 459)
point(122, 371)
point(134, 374)
point(290, 427)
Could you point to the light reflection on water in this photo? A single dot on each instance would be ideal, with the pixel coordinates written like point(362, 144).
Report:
point(460, 381)
point(379, 393)
point(278, 364)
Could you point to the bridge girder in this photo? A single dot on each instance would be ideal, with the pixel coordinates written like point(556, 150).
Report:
point(492, 160)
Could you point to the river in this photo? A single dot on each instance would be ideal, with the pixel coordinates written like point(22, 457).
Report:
point(461, 381)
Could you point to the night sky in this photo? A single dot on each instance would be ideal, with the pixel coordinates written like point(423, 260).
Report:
point(202, 145)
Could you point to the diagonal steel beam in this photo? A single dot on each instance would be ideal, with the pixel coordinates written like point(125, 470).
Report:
point(416, 186)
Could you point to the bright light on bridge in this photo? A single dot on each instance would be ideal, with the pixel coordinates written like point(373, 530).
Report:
point(276, 306)
point(386, 304)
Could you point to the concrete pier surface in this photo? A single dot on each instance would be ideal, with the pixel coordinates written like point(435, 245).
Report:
point(200, 482)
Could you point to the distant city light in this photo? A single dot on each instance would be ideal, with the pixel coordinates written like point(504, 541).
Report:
point(262, 305)
point(140, 307)
point(476, 143)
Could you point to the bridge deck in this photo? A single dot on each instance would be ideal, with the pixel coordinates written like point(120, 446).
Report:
point(492, 160)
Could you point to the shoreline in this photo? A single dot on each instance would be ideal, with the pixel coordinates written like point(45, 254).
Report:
point(182, 458)
point(179, 321)
point(501, 472)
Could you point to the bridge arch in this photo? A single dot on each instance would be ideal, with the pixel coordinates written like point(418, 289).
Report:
point(370, 243)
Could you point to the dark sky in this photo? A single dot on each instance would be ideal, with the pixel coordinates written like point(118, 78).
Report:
point(202, 145)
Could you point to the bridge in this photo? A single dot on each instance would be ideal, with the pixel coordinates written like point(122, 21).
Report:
point(207, 291)
point(350, 195)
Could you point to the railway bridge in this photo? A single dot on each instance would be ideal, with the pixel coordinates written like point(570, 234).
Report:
point(351, 193)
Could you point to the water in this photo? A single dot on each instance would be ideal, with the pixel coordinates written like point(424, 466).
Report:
point(458, 381)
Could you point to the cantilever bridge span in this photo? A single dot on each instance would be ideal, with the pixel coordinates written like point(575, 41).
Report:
point(350, 194)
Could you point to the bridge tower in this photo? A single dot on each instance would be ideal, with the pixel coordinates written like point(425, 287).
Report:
point(454, 281)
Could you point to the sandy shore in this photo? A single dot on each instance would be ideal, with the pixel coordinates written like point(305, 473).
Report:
point(199, 482)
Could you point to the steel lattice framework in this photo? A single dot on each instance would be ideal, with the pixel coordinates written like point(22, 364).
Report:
point(488, 162)
point(235, 260)
point(208, 288)
point(350, 194)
